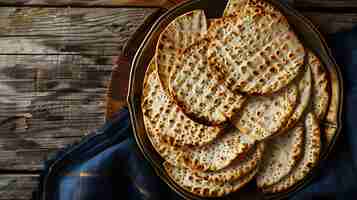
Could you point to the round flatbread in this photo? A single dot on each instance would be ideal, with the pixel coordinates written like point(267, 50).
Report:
point(255, 52)
point(167, 119)
point(179, 34)
point(238, 168)
point(281, 156)
point(196, 90)
point(205, 188)
point(265, 116)
point(309, 160)
point(304, 86)
point(321, 90)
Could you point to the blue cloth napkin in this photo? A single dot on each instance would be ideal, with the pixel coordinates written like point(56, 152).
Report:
point(338, 174)
point(108, 165)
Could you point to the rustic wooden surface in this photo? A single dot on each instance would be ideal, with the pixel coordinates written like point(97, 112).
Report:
point(54, 78)
point(17, 187)
point(91, 3)
point(55, 63)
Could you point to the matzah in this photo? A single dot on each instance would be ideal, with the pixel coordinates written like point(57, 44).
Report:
point(305, 91)
point(240, 167)
point(309, 160)
point(265, 116)
point(205, 188)
point(234, 7)
point(255, 53)
point(321, 90)
point(179, 34)
point(281, 156)
point(214, 156)
point(194, 87)
point(168, 120)
point(220, 153)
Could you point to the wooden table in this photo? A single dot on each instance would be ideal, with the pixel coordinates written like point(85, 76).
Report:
point(55, 63)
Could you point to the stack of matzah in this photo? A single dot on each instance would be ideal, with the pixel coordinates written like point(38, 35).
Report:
point(230, 100)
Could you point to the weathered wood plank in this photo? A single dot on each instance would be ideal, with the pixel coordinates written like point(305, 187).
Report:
point(333, 4)
point(71, 21)
point(56, 95)
point(100, 31)
point(29, 160)
point(51, 72)
point(168, 3)
point(61, 45)
point(91, 2)
point(329, 23)
point(17, 187)
point(47, 102)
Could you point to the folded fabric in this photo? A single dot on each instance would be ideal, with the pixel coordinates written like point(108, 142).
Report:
point(338, 174)
point(108, 165)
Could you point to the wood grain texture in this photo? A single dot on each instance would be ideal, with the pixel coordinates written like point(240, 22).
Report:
point(17, 187)
point(165, 3)
point(46, 102)
point(95, 31)
point(55, 65)
point(329, 23)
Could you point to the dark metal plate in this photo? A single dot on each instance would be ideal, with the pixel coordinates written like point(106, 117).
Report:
point(307, 33)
